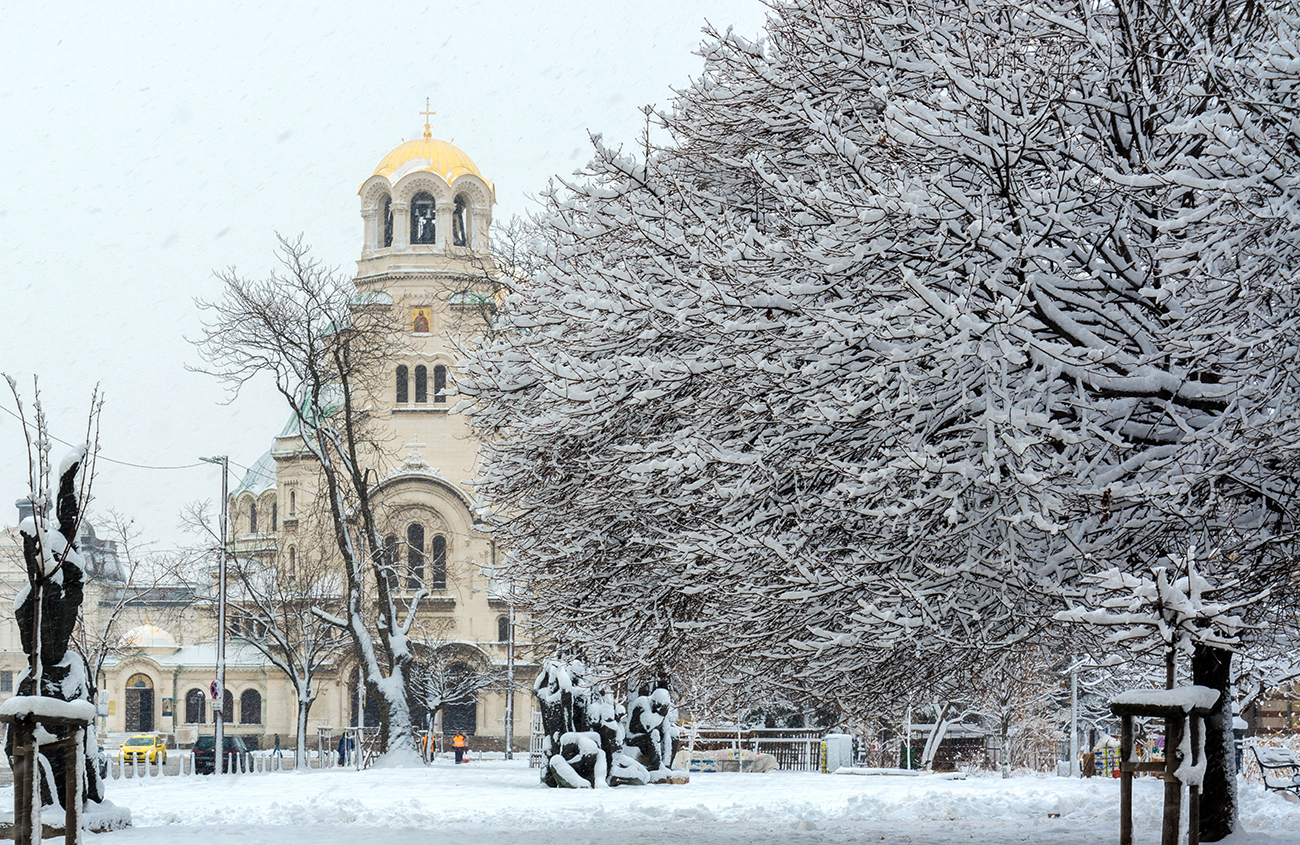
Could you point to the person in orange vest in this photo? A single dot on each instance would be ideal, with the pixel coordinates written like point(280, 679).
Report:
point(459, 742)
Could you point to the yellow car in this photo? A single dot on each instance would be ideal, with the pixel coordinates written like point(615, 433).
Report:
point(147, 748)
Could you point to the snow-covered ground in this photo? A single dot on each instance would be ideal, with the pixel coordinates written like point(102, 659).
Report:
point(499, 801)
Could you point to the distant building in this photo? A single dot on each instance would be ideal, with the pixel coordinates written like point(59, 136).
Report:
point(427, 214)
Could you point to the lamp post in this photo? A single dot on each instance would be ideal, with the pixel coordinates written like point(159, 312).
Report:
point(219, 747)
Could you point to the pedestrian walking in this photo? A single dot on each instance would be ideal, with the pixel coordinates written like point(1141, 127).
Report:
point(459, 743)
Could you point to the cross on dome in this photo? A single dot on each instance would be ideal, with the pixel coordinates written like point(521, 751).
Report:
point(428, 133)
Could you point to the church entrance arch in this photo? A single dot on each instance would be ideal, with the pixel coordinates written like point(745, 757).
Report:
point(139, 704)
point(462, 713)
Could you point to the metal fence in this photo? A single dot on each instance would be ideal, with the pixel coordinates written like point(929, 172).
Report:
point(796, 750)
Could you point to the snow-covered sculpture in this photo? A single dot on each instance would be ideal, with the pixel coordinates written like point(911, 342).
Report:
point(651, 729)
point(54, 571)
point(570, 747)
point(583, 732)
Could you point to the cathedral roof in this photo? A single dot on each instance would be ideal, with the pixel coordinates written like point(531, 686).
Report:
point(260, 476)
point(430, 155)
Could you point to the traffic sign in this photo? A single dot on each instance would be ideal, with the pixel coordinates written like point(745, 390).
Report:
point(215, 692)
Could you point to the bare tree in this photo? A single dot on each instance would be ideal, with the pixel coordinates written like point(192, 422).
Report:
point(127, 576)
point(273, 602)
point(448, 673)
point(304, 326)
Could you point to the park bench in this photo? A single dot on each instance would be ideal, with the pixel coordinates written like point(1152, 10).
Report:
point(1271, 760)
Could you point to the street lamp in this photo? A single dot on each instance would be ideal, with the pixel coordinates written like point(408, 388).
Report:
point(219, 747)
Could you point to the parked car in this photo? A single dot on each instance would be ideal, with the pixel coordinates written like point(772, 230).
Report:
point(234, 755)
point(146, 748)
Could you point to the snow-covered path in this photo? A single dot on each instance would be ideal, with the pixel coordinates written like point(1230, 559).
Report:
point(502, 802)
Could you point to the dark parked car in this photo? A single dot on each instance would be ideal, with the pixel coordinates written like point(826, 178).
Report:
point(234, 758)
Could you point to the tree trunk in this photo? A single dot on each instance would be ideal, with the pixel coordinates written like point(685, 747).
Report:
point(1211, 668)
point(1006, 746)
point(300, 760)
point(936, 737)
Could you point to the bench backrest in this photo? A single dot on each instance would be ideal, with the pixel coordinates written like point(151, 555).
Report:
point(1270, 756)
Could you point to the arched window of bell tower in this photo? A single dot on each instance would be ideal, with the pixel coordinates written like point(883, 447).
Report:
point(401, 384)
point(422, 217)
point(460, 222)
point(440, 383)
point(386, 220)
point(421, 384)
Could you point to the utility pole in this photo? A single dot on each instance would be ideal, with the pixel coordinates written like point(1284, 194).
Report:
point(1074, 723)
point(219, 747)
point(510, 665)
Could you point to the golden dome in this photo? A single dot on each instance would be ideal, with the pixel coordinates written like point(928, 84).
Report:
point(430, 155)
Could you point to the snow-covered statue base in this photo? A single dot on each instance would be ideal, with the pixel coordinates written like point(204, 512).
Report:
point(584, 733)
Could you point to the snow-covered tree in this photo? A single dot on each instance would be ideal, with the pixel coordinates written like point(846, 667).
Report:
point(918, 314)
point(304, 328)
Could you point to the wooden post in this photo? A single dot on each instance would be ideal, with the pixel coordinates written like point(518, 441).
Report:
point(27, 776)
point(25, 773)
point(72, 764)
point(1125, 782)
point(1177, 725)
point(1174, 727)
point(1194, 797)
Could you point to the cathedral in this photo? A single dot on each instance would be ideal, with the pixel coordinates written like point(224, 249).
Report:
point(426, 216)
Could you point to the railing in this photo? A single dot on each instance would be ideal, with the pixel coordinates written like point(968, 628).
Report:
point(255, 763)
point(795, 749)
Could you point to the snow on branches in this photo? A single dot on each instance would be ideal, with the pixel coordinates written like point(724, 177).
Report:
point(1168, 613)
point(911, 321)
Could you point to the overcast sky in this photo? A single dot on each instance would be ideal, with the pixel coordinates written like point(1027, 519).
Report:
point(143, 147)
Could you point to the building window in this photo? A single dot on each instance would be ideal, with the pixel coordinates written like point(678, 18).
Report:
point(503, 629)
point(293, 563)
point(438, 553)
point(402, 397)
point(422, 216)
point(275, 515)
point(6, 681)
point(439, 383)
point(293, 503)
point(252, 517)
point(421, 384)
point(250, 707)
point(386, 212)
point(227, 709)
point(415, 555)
point(460, 222)
point(195, 704)
point(390, 551)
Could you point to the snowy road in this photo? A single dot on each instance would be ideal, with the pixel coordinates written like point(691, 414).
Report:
point(502, 802)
